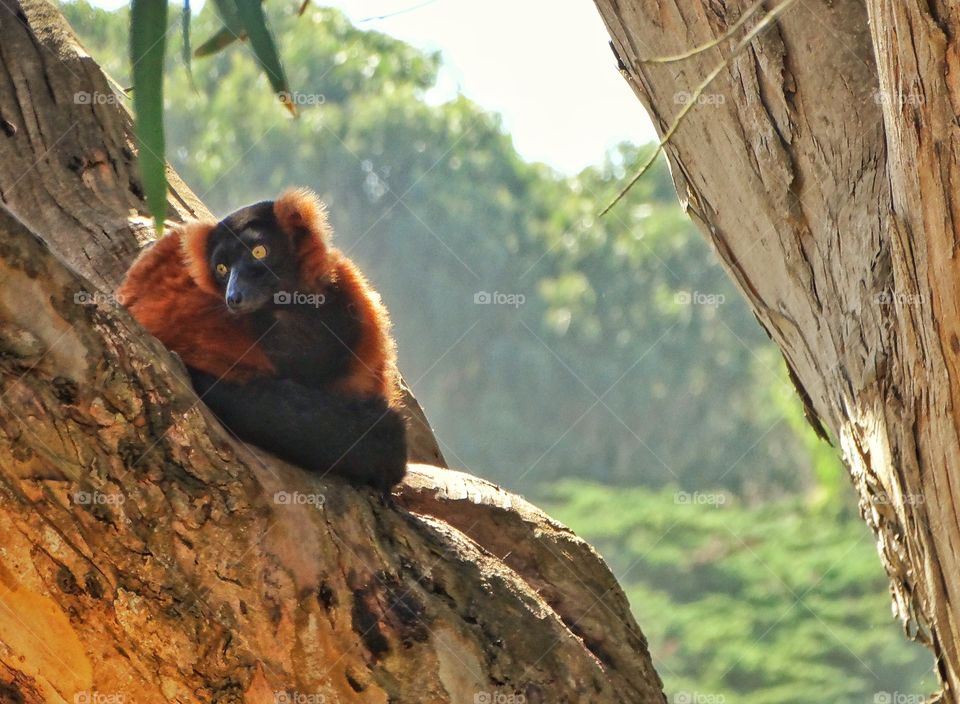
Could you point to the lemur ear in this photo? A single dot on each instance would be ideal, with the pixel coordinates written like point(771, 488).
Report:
point(304, 218)
point(193, 241)
point(300, 211)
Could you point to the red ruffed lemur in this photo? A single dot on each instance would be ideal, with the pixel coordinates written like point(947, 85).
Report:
point(282, 335)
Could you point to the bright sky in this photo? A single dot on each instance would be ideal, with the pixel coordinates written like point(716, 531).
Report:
point(544, 65)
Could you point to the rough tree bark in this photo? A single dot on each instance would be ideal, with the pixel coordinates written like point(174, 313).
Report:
point(823, 165)
point(145, 556)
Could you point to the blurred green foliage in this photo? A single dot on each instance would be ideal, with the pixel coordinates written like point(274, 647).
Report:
point(631, 358)
point(784, 603)
point(616, 354)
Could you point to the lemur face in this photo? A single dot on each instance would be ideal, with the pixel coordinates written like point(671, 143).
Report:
point(251, 258)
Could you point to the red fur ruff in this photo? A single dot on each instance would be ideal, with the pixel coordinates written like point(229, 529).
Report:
point(161, 294)
point(171, 291)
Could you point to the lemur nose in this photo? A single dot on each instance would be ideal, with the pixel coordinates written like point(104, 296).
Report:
point(234, 298)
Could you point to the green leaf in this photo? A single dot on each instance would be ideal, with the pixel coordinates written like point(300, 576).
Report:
point(231, 31)
point(185, 53)
point(148, 33)
point(229, 15)
point(244, 19)
point(218, 41)
point(264, 48)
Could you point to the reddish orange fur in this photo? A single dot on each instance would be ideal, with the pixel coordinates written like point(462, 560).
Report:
point(171, 291)
point(373, 372)
point(193, 240)
point(300, 212)
point(165, 299)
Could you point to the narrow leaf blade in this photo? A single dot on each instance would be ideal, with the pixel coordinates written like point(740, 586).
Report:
point(231, 31)
point(186, 53)
point(218, 41)
point(264, 47)
point(229, 15)
point(148, 31)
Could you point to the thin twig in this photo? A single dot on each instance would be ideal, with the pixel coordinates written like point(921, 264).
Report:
point(398, 12)
point(695, 96)
point(734, 28)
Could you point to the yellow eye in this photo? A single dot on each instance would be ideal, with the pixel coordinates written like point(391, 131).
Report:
point(259, 252)
point(222, 269)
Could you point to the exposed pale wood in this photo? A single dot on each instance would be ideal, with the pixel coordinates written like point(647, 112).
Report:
point(828, 189)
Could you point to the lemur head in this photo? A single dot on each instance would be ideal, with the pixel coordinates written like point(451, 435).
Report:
point(260, 250)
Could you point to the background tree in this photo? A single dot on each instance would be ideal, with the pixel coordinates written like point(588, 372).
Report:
point(434, 201)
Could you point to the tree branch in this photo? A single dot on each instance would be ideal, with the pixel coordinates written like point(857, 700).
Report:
point(149, 555)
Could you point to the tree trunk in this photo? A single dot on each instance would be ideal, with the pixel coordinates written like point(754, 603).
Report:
point(822, 164)
point(145, 556)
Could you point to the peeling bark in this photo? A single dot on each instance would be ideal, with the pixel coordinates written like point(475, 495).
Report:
point(823, 166)
point(146, 555)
